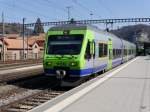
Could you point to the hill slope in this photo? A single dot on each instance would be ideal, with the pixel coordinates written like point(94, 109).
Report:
point(13, 28)
point(138, 32)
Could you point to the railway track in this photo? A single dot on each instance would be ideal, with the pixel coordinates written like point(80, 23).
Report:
point(44, 94)
point(31, 101)
point(44, 89)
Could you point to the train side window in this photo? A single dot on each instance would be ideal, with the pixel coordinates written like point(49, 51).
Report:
point(126, 52)
point(120, 52)
point(113, 53)
point(100, 50)
point(94, 49)
point(105, 49)
point(87, 53)
point(116, 53)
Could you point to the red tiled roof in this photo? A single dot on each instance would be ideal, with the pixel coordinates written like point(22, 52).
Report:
point(15, 44)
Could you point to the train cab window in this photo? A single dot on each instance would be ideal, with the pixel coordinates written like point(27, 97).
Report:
point(87, 53)
point(59, 44)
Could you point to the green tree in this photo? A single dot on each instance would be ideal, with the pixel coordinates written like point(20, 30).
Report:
point(38, 28)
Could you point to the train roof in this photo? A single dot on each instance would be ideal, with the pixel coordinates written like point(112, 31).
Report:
point(75, 27)
point(79, 27)
point(83, 27)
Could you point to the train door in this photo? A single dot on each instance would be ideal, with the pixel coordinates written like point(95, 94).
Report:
point(89, 57)
point(110, 54)
point(93, 45)
point(122, 54)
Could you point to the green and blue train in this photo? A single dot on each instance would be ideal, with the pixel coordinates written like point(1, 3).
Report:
point(73, 52)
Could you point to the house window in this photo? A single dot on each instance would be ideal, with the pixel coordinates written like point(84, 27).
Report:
point(25, 55)
point(15, 56)
point(35, 55)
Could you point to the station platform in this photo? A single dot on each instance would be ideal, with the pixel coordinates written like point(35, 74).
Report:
point(20, 69)
point(123, 89)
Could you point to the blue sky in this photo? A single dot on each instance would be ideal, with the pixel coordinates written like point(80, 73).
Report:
point(55, 10)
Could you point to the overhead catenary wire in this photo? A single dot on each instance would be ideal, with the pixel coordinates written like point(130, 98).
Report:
point(25, 9)
point(86, 9)
point(63, 9)
point(37, 5)
point(105, 7)
point(82, 6)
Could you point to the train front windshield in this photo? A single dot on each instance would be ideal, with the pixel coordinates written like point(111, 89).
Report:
point(64, 44)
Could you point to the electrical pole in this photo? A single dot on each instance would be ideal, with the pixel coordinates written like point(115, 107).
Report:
point(23, 33)
point(68, 10)
point(28, 34)
point(3, 34)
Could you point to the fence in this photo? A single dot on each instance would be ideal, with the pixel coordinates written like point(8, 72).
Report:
point(19, 55)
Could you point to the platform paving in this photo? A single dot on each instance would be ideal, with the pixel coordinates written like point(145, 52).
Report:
point(126, 91)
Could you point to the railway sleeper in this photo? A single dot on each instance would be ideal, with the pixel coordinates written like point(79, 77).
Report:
point(19, 106)
point(28, 107)
point(37, 100)
point(15, 110)
point(47, 95)
point(55, 93)
point(44, 98)
point(31, 103)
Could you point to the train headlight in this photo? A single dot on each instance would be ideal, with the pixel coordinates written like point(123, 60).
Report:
point(48, 63)
point(73, 63)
